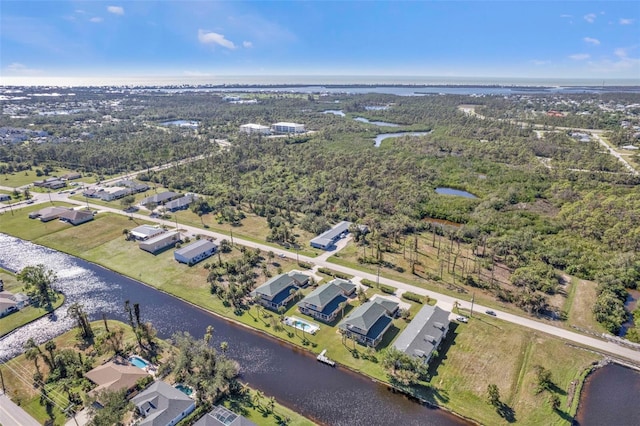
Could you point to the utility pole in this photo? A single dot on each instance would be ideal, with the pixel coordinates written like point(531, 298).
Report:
point(378, 276)
point(473, 296)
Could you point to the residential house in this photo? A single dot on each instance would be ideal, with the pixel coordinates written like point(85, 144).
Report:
point(327, 239)
point(255, 128)
point(195, 252)
point(425, 333)
point(48, 213)
point(221, 416)
point(12, 302)
point(159, 199)
point(76, 217)
point(111, 193)
point(180, 203)
point(279, 290)
point(162, 405)
point(367, 323)
point(160, 242)
point(285, 127)
point(324, 302)
point(71, 176)
point(50, 183)
point(134, 186)
point(144, 232)
point(115, 375)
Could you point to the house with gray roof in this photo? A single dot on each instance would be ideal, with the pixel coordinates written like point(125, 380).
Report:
point(48, 213)
point(133, 185)
point(12, 302)
point(324, 302)
point(221, 416)
point(367, 323)
point(76, 217)
point(159, 199)
point(180, 203)
point(279, 290)
point(327, 239)
point(162, 405)
point(425, 333)
point(160, 242)
point(144, 232)
point(195, 252)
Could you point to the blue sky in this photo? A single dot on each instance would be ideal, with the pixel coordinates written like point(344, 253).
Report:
point(559, 39)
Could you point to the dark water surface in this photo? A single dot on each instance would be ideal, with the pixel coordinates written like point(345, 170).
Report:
point(610, 397)
point(332, 396)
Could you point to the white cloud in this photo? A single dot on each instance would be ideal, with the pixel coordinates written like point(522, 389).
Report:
point(593, 41)
point(579, 56)
point(116, 10)
point(625, 21)
point(21, 69)
point(247, 44)
point(95, 19)
point(214, 38)
point(620, 52)
point(590, 18)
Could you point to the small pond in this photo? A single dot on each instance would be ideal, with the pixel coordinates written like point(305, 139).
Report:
point(383, 136)
point(456, 192)
point(338, 112)
point(377, 123)
point(181, 123)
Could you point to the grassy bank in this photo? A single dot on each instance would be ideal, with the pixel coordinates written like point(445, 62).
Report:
point(26, 314)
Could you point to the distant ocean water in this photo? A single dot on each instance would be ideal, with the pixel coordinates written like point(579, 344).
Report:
point(318, 80)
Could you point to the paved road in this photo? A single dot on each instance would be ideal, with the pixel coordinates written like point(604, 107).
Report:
point(13, 415)
point(445, 301)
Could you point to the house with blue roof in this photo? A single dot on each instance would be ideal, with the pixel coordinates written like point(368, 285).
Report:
point(280, 290)
point(324, 302)
point(369, 322)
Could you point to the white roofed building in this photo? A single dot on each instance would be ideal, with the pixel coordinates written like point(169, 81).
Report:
point(251, 128)
point(284, 127)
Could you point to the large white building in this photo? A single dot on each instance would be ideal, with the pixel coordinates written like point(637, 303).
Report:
point(255, 128)
point(284, 127)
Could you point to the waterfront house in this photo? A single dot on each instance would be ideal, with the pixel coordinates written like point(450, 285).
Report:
point(425, 333)
point(12, 302)
point(76, 217)
point(144, 232)
point(162, 405)
point(324, 302)
point(327, 239)
point(115, 375)
point(285, 127)
point(195, 252)
point(279, 290)
point(48, 213)
point(160, 242)
point(221, 416)
point(367, 323)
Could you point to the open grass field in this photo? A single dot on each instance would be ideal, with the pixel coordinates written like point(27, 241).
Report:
point(20, 225)
point(486, 351)
point(24, 315)
point(580, 309)
point(27, 177)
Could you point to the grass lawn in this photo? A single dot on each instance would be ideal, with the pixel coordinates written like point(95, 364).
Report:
point(29, 176)
point(21, 226)
point(487, 350)
point(259, 411)
point(25, 315)
point(580, 309)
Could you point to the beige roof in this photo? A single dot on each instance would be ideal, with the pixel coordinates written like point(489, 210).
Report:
point(115, 376)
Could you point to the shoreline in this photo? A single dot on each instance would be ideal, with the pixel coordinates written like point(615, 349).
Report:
point(263, 333)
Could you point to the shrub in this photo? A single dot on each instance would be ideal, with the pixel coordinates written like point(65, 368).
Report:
point(368, 283)
point(412, 296)
point(387, 289)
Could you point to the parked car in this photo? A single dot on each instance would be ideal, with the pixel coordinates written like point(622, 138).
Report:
point(462, 319)
point(490, 312)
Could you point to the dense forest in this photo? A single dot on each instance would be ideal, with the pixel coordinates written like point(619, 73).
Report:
point(546, 203)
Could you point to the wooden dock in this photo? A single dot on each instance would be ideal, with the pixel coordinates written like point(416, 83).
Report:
point(324, 359)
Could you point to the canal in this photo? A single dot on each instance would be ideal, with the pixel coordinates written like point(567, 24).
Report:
point(331, 396)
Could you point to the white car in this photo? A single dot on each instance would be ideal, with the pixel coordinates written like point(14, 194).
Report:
point(462, 319)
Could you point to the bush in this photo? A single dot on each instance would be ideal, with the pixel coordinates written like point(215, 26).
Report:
point(387, 289)
point(334, 274)
point(368, 283)
point(412, 296)
point(305, 265)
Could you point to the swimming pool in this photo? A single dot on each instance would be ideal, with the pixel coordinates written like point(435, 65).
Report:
point(184, 389)
point(301, 324)
point(138, 362)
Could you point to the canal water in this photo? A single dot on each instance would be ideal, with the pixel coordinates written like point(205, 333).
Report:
point(610, 397)
point(330, 396)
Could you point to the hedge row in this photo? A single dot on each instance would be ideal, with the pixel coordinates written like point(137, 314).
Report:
point(335, 274)
point(413, 297)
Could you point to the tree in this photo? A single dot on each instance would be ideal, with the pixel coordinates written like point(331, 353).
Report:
point(38, 282)
point(493, 394)
point(77, 312)
point(208, 334)
point(554, 400)
point(543, 378)
point(114, 406)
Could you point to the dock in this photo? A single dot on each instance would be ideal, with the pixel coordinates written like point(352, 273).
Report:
point(324, 359)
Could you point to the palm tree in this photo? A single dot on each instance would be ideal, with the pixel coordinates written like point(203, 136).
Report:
point(342, 306)
point(224, 346)
point(208, 334)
